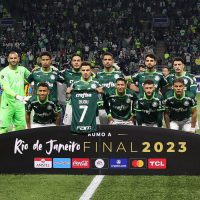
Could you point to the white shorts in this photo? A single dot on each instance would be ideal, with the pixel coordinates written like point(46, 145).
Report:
point(184, 125)
point(36, 125)
point(103, 117)
point(121, 122)
point(150, 125)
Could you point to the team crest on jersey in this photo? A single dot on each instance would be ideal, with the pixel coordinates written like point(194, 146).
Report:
point(116, 76)
point(93, 86)
point(154, 104)
point(128, 100)
point(157, 78)
point(186, 103)
point(52, 77)
point(49, 107)
point(185, 81)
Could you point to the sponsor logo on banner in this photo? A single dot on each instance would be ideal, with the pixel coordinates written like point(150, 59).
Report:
point(79, 163)
point(138, 163)
point(42, 162)
point(157, 163)
point(99, 163)
point(61, 163)
point(118, 163)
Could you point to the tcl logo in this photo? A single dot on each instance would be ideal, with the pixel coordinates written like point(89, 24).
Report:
point(80, 163)
point(157, 163)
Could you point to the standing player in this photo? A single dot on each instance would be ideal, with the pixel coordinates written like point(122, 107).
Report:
point(84, 99)
point(150, 74)
point(71, 75)
point(149, 108)
point(12, 102)
point(121, 101)
point(181, 111)
point(46, 74)
point(189, 79)
point(107, 79)
point(46, 111)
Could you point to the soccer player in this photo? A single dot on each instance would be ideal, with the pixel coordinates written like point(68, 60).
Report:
point(189, 79)
point(84, 99)
point(121, 101)
point(149, 107)
point(12, 102)
point(46, 74)
point(71, 75)
point(181, 111)
point(46, 111)
point(107, 79)
point(149, 74)
point(165, 71)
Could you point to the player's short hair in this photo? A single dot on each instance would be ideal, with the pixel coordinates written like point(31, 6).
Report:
point(76, 54)
point(43, 84)
point(166, 67)
point(149, 82)
point(108, 54)
point(86, 63)
point(178, 59)
point(151, 55)
point(46, 53)
point(13, 52)
point(178, 80)
point(121, 79)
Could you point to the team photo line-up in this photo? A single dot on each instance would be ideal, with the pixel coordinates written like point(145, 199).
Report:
point(84, 96)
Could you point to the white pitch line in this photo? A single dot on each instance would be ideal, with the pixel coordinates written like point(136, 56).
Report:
point(92, 187)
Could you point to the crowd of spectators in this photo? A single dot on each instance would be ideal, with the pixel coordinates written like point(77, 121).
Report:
point(91, 27)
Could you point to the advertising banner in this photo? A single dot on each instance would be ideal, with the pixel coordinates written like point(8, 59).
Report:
point(125, 150)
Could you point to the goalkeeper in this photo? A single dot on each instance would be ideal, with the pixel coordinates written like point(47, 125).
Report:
point(12, 102)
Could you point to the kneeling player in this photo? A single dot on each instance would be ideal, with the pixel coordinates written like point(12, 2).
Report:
point(120, 101)
point(181, 112)
point(46, 111)
point(149, 108)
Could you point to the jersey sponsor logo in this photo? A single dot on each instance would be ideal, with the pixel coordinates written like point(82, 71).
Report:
point(157, 163)
point(84, 95)
point(122, 107)
point(118, 163)
point(84, 128)
point(108, 85)
point(42, 162)
point(80, 163)
point(61, 163)
point(138, 163)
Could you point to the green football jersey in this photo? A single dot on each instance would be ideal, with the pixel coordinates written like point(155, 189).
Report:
point(149, 108)
point(44, 112)
point(84, 108)
point(189, 80)
point(12, 82)
point(180, 109)
point(71, 76)
point(81, 84)
point(108, 79)
point(158, 79)
point(51, 78)
point(120, 106)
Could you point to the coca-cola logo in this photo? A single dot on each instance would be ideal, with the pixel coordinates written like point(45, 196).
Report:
point(80, 163)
